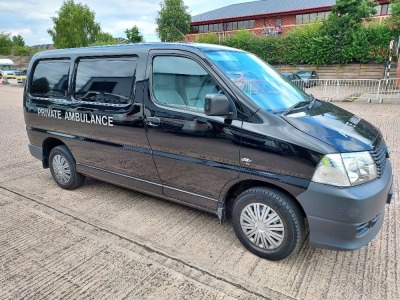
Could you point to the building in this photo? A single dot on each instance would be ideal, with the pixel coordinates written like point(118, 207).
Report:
point(267, 17)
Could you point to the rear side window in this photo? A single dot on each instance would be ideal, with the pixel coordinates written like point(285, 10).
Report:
point(105, 80)
point(50, 79)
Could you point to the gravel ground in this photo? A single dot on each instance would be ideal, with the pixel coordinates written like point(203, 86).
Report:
point(101, 241)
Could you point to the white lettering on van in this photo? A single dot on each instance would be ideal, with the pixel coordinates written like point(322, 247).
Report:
point(77, 117)
point(49, 113)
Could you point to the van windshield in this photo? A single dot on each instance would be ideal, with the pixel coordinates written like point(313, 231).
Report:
point(263, 85)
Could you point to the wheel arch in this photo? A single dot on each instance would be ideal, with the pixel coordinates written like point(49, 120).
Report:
point(235, 190)
point(47, 145)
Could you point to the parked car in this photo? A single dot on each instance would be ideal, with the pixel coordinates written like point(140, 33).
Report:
point(6, 67)
point(19, 72)
point(214, 128)
point(309, 77)
point(295, 79)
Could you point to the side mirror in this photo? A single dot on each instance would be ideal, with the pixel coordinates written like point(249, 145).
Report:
point(216, 105)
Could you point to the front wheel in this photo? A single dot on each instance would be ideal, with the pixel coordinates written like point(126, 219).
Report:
point(268, 223)
point(63, 170)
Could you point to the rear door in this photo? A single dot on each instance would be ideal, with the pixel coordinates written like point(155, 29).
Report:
point(108, 86)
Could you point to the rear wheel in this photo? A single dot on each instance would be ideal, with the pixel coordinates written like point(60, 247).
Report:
point(63, 170)
point(268, 223)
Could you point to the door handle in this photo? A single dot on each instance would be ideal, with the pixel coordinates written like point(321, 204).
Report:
point(153, 121)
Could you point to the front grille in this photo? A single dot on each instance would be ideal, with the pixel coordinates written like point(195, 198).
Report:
point(379, 153)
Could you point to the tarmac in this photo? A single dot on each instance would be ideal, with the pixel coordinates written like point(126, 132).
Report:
point(105, 242)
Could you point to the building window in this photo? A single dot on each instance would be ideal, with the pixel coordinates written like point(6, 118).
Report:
point(312, 17)
point(385, 9)
point(382, 10)
point(227, 26)
point(194, 29)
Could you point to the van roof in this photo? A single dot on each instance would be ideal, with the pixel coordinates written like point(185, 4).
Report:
point(6, 61)
point(126, 48)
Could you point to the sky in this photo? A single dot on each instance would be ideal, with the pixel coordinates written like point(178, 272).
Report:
point(32, 18)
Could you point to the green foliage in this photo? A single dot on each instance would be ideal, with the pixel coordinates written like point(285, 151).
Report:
point(5, 43)
point(104, 38)
point(23, 51)
point(133, 35)
point(18, 40)
point(207, 38)
point(74, 26)
point(394, 20)
point(305, 45)
point(340, 39)
point(344, 26)
point(242, 39)
point(173, 21)
point(308, 45)
point(13, 45)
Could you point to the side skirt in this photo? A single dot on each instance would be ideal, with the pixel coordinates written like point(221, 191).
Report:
point(144, 186)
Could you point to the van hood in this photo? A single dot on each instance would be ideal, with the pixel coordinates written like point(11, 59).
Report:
point(335, 126)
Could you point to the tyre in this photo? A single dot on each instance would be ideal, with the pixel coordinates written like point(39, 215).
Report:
point(268, 223)
point(63, 169)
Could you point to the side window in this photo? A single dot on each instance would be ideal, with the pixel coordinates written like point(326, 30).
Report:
point(181, 82)
point(105, 80)
point(50, 79)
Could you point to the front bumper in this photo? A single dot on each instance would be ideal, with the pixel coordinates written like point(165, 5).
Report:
point(346, 218)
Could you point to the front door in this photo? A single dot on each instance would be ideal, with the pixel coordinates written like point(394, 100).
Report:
point(195, 155)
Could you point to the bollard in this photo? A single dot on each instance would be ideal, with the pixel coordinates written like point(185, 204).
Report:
point(369, 100)
point(380, 100)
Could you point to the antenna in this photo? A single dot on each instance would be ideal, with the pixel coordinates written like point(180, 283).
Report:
point(186, 40)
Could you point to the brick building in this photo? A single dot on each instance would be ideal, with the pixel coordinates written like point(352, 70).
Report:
point(267, 17)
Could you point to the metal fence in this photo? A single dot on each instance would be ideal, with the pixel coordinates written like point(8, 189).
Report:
point(352, 89)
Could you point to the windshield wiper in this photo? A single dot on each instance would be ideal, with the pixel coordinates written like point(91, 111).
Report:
point(297, 105)
point(312, 101)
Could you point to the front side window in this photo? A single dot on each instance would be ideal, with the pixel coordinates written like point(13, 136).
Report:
point(181, 82)
point(263, 85)
point(50, 79)
point(105, 80)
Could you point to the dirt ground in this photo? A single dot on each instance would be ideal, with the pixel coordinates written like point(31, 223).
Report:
point(105, 242)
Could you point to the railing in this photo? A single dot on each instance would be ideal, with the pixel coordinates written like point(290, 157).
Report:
point(352, 89)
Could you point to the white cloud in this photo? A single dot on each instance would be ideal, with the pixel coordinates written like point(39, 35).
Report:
point(32, 18)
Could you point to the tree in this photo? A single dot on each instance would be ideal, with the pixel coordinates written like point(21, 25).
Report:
point(104, 38)
point(173, 21)
point(133, 35)
point(74, 26)
point(343, 24)
point(5, 43)
point(18, 40)
point(394, 20)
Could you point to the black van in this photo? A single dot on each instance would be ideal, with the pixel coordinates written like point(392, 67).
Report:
point(214, 128)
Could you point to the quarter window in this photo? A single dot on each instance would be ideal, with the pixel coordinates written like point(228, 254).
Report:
point(105, 80)
point(50, 79)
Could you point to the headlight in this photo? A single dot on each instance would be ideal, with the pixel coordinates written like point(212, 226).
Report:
point(346, 169)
